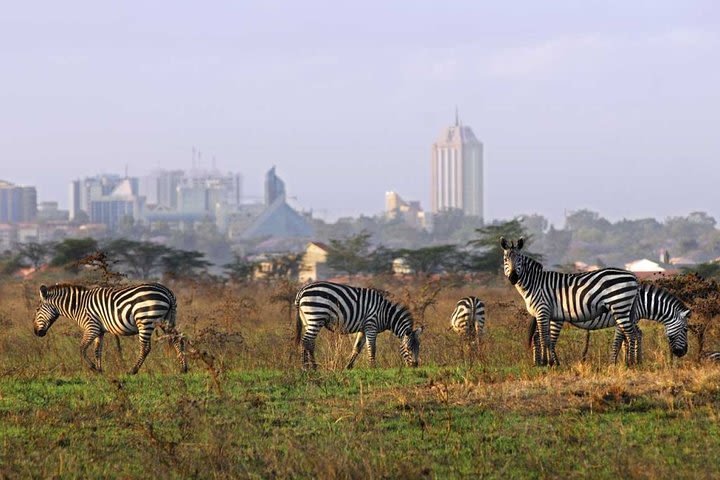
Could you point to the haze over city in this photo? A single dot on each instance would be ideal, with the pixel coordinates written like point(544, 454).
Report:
point(611, 106)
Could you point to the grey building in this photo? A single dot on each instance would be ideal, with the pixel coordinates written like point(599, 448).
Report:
point(18, 204)
point(457, 171)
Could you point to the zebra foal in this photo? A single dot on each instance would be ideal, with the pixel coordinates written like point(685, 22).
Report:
point(364, 311)
point(468, 318)
point(132, 310)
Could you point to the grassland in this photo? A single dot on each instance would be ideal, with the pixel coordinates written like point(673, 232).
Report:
point(255, 414)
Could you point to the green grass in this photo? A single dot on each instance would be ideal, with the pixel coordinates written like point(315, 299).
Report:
point(383, 423)
point(462, 414)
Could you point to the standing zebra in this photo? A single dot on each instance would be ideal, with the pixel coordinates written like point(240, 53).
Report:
point(563, 297)
point(134, 310)
point(468, 318)
point(651, 303)
point(364, 311)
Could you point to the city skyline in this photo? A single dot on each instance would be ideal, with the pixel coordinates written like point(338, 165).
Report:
point(610, 106)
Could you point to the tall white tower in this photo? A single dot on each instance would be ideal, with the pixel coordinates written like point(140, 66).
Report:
point(457, 171)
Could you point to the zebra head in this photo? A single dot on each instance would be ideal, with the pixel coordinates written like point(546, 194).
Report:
point(676, 330)
point(45, 315)
point(513, 260)
point(410, 347)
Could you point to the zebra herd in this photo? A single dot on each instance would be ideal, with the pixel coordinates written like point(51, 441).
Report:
point(600, 299)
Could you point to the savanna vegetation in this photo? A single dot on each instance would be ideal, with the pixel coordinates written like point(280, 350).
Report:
point(247, 410)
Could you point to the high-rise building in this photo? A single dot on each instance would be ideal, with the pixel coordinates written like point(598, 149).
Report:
point(17, 204)
point(457, 171)
point(274, 187)
point(84, 191)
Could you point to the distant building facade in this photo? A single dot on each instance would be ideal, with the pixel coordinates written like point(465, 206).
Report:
point(106, 200)
point(410, 212)
point(18, 204)
point(457, 171)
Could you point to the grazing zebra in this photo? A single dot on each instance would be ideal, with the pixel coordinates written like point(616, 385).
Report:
point(364, 311)
point(651, 303)
point(468, 318)
point(134, 310)
point(564, 297)
point(711, 356)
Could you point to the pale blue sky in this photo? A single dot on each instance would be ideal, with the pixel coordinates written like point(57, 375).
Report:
point(612, 106)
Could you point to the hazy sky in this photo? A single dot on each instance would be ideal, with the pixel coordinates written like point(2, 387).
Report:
point(612, 106)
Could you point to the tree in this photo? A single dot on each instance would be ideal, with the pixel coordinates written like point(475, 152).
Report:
point(142, 258)
point(286, 265)
point(240, 269)
point(68, 252)
point(380, 260)
point(35, 253)
point(431, 259)
point(184, 263)
point(490, 258)
point(350, 255)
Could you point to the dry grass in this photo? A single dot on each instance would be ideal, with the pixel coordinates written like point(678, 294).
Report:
point(255, 414)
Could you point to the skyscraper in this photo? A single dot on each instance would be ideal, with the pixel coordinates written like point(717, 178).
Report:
point(17, 204)
point(457, 171)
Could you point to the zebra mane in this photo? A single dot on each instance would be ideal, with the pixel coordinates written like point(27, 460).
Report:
point(52, 289)
point(530, 261)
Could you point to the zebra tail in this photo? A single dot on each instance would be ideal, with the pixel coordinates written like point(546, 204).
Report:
point(171, 315)
point(531, 329)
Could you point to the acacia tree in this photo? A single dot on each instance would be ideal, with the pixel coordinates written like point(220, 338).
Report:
point(142, 258)
point(35, 253)
point(184, 263)
point(68, 252)
point(240, 269)
point(350, 255)
point(490, 258)
point(431, 259)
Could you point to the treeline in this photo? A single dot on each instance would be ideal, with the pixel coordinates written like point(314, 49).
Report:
point(586, 236)
point(135, 259)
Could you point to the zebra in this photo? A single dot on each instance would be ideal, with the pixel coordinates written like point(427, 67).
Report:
point(711, 356)
point(364, 311)
point(651, 303)
point(468, 318)
point(560, 296)
point(130, 310)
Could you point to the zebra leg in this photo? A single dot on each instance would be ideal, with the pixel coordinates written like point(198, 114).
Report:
point(145, 334)
point(546, 346)
point(534, 339)
point(359, 343)
point(98, 353)
point(555, 328)
point(371, 336)
point(618, 341)
point(88, 337)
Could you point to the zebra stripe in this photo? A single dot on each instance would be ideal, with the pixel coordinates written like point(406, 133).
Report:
point(133, 310)
point(564, 297)
point(468, 318)
point(364, 311)
point(651, 303)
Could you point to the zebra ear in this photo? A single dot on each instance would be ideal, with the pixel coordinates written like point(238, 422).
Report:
point(504, 244)
point(418, 331)
point(43, 292)
point(520, 243)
